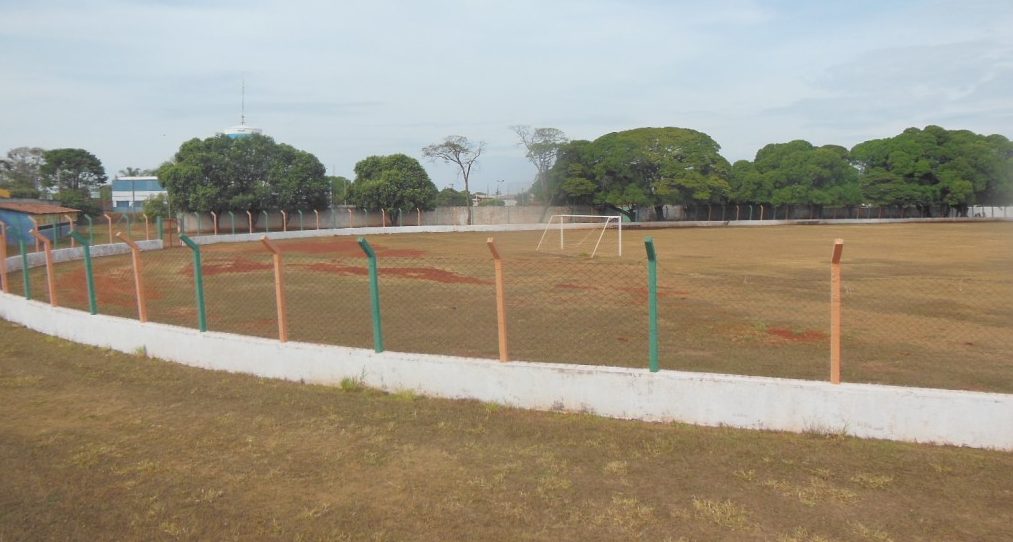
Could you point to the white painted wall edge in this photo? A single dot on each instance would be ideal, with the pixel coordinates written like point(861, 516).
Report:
point(976, 419)
point(38, 259)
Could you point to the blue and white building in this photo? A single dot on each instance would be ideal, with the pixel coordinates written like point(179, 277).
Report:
point(130, 193)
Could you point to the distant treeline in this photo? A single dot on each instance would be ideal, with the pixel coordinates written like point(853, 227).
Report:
point(930, 168)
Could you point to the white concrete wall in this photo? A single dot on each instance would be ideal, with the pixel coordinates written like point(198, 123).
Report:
point(37, 259)
point(871, 411)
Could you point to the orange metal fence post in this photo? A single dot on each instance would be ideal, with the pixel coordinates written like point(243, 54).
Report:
point(109, 219)
point(317, 213)
point(284, 221)
point(250, 216)
point(500, 302)
point(418, 216)
point(70, 223)
point(6, 286)
point(835, 312)
point(147, 228)
point(50, 272)
point(214, 222)
point(279, 288)
point(135, 254)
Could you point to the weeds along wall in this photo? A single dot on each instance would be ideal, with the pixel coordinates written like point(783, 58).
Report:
point(367, 300)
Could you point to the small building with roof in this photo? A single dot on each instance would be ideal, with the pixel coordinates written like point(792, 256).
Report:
point(130, 193)
point(20, 217)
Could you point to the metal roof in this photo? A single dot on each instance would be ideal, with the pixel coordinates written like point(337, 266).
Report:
point(35, 208)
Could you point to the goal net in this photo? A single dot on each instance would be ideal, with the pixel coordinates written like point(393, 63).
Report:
point(584, 233)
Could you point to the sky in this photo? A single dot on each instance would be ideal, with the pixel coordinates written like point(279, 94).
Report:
point(130, 81)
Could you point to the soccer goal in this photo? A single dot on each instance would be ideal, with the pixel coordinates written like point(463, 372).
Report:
point(577, 231)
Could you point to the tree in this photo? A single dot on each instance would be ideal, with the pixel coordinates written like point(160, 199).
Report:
point(543, 146)
point(340, 187)
point(798, 173)
point(20, 171)
point(72, 170)
point(157, 206)
point(457, 150)
point(448, 197)
point(395, 181)
point(247, 173)
point(627, 170)
point(935, 166)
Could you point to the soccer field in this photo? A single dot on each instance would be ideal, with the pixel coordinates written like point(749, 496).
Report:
point(923, 304)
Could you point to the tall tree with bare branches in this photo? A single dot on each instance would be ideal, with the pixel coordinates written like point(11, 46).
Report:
point(543, 146)
point(460, 151)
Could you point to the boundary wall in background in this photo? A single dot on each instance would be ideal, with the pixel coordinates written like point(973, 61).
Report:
point(864, 410)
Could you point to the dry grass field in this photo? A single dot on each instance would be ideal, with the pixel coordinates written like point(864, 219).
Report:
point(97, 445)
point(924, 304)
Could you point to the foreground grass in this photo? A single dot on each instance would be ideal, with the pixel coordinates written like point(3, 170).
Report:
point(99, 445)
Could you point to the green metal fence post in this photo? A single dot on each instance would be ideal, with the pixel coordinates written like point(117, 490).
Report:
point(652, 297)
point(25, 275)
point(198, 282)
point(91, 230)
point(374, 294)
point(88, 274)
point(233, 217)
point(161, 230)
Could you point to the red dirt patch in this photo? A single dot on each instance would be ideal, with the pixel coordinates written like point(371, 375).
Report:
point(346, 246)
point(113, 287)
point(808, 336)
point(418, 273)
point(238, 265)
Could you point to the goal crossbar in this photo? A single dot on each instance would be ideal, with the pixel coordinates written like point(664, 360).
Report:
point(608, 219)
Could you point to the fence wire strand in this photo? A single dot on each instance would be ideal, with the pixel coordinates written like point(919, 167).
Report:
point(918, 328)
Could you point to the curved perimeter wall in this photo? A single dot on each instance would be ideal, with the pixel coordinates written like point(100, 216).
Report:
point(865, 410)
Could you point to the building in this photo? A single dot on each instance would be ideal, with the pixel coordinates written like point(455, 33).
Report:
point(53, 220)
point(130, 193)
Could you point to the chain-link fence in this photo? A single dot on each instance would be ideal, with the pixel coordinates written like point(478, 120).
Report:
point(938, 331)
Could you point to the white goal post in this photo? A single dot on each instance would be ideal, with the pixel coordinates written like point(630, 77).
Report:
point(582, 222)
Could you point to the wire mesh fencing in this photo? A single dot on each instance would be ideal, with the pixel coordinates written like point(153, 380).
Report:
point(941, 329)
point(920, 328)
point(745, 323)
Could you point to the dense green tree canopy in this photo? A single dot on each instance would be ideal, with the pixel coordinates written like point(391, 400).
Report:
point(796, 173)
point(395, 181)
point(247, 173)
point(935, 166)
point(340, 187)
point(72, 170)
point(642, 167)
point(448, 197)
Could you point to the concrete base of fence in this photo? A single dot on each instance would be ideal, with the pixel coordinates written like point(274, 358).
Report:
point(872, 411)
point(38, 259)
